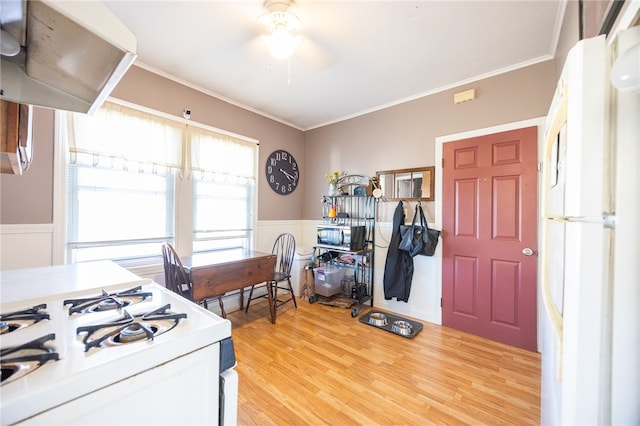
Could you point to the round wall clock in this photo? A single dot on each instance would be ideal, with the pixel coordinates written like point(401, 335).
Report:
point(282, 172)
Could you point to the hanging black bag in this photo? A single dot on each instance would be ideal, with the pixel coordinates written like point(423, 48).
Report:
point(411, 236)
point(429, 237)
point(418, 238)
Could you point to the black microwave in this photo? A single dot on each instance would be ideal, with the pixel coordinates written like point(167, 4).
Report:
point(341, 237)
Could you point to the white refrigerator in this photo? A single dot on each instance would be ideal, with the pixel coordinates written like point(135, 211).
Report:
point(590, 331)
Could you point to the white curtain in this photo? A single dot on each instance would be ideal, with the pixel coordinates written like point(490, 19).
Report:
point(221, 158)
point(118, 137)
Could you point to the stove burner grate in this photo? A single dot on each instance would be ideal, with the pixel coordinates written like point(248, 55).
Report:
point(107, 301)
point(23, 318)
point(129, 328)
point(20, 360)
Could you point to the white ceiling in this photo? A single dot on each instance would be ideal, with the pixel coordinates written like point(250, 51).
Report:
point(356, 56)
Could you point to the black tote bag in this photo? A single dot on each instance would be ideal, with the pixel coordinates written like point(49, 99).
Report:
point(418, 238)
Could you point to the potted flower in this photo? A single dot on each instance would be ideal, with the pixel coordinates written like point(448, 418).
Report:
point(332, 180)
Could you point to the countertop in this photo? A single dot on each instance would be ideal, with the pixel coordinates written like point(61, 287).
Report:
point(33, 283)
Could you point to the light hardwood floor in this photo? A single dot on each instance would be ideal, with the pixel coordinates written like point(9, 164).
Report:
point(317, 365)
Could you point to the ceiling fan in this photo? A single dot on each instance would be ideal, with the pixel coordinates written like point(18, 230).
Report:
point(282, 25)
point(283, 34)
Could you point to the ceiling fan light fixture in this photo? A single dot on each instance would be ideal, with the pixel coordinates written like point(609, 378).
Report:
point(282, 26)
point(281, 43)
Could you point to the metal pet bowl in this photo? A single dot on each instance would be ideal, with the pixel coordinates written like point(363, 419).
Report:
point(378, 319)
point(402, 327)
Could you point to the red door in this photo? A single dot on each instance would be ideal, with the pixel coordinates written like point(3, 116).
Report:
point(489, 221)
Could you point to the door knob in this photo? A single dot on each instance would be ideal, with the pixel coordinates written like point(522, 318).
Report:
point(527, 251)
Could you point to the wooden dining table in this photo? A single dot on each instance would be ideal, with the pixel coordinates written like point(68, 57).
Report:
point(216, 273)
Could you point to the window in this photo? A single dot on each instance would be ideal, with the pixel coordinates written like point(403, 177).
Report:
point(222, 215)
point(116, 214)
point(127, 169)
point(223, 170)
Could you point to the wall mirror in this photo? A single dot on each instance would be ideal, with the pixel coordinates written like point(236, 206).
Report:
point(407, 184)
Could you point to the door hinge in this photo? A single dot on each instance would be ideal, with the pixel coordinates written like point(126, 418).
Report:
point(441, 302)
point(443, 162)
point(540, 167)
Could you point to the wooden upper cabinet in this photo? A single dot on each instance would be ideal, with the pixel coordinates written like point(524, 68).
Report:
point(16, 149)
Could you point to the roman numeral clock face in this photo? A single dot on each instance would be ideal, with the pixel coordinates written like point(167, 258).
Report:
point(282, 172)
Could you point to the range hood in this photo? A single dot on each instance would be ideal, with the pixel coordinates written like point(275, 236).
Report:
point(72, 53)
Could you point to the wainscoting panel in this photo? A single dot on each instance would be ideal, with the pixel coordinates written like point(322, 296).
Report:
point(29, 246)
point(25, 246)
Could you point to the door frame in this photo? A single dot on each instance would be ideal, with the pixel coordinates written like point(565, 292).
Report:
point(441, 140)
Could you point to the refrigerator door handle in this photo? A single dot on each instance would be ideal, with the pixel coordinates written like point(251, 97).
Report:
point(555, 317)
point(554, 125)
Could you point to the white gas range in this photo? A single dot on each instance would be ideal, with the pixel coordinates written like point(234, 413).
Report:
point(102, 346)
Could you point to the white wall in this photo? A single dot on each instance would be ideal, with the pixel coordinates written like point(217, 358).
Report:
point(25, 246)
point(426, 286)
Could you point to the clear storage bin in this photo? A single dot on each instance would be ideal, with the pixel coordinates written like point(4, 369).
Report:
point(328, 280)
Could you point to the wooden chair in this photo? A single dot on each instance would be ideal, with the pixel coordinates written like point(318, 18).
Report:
point(178, 279)
point(284, 248)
